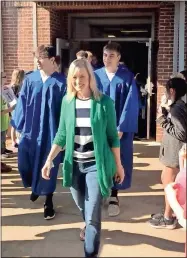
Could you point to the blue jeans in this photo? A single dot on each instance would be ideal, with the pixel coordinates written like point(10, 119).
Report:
point(87, 196)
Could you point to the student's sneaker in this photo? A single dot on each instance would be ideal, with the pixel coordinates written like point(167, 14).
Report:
point(49, 213)
point(33, 197)
point(163, 223)
point(113, 207)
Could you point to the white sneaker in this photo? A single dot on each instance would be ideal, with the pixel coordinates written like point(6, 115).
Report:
point(113, 207)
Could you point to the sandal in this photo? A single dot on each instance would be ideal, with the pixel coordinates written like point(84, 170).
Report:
point(82, 234)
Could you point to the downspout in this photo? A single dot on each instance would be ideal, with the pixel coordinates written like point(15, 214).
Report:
point(181, 35)
point(176, 38)
point(35, 29)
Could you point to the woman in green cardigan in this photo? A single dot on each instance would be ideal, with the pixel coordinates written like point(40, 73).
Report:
point(87, 130)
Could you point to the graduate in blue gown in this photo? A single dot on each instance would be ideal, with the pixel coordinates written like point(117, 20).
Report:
point(118, 83)
point(36, 117)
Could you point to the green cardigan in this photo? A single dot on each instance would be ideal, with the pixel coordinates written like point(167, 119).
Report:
point(105, 137)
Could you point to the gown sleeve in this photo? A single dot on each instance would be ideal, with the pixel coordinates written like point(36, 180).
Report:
point(128, 121)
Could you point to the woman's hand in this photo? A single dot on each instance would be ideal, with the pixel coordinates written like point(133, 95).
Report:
point(120, 174)
point(46, 170)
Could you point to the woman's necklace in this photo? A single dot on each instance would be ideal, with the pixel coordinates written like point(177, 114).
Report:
point(83, 98)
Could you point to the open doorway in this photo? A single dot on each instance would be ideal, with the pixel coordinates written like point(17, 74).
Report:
point(134, 54)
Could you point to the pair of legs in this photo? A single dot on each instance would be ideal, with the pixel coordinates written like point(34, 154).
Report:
point(87, 196)
point(126, 151)
point(4, 168)
point(49, 212)
point(29, 167)
point(165, 219)
point(3, 140)
point(168, 176)
point(4, 151)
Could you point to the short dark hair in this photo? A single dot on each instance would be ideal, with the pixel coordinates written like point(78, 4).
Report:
point(179, 85)
point(113, 46)
point(57, 60)
point(184, 73)
point(82, 54)
point(45, 51)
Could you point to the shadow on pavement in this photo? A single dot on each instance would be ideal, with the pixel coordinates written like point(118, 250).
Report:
point(65, 243)
point(146, 151)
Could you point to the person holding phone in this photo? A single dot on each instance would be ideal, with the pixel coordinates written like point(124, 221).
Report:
point(173, 120)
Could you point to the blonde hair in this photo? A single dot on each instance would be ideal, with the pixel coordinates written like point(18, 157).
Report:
point(17, 77)
point(89, 54)
point(82, 63)
point(177, 75)
point(82, 54)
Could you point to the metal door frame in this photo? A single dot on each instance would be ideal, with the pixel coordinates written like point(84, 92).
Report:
point(149, 87)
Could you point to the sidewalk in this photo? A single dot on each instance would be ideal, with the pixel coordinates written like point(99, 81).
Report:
point(26, 234)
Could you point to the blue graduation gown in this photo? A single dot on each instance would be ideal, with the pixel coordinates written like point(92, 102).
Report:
point(123, 90)
point(36, 117)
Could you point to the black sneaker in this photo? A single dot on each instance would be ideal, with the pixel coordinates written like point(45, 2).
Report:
point(8, 151)
point(163, 223)
point(33, 197)
point(49, 213)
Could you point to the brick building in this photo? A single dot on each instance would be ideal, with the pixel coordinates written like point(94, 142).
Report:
point(153, 35)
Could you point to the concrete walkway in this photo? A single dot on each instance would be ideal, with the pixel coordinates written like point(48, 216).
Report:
point(26, 234)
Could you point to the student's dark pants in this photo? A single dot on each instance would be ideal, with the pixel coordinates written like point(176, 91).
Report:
point(3, 141)
point(87, 196)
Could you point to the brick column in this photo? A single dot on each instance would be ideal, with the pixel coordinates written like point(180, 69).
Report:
point(165, 53)
point(43, 26)
point(17, 36)
point(10, 38)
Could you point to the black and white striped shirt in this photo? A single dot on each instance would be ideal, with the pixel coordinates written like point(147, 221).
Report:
point(83, 142)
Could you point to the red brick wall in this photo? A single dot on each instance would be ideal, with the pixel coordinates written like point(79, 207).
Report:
point(43, 25)
point(165, 52)
point(58, 25)
point(17, 31)
point(50, 25)
point(10, 39)
point(17, 37)
point(25, 38)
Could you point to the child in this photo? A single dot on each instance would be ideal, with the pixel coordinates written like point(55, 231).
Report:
point(176, 192)
point(7, 97)
point(16, 83)
point(174, 122)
